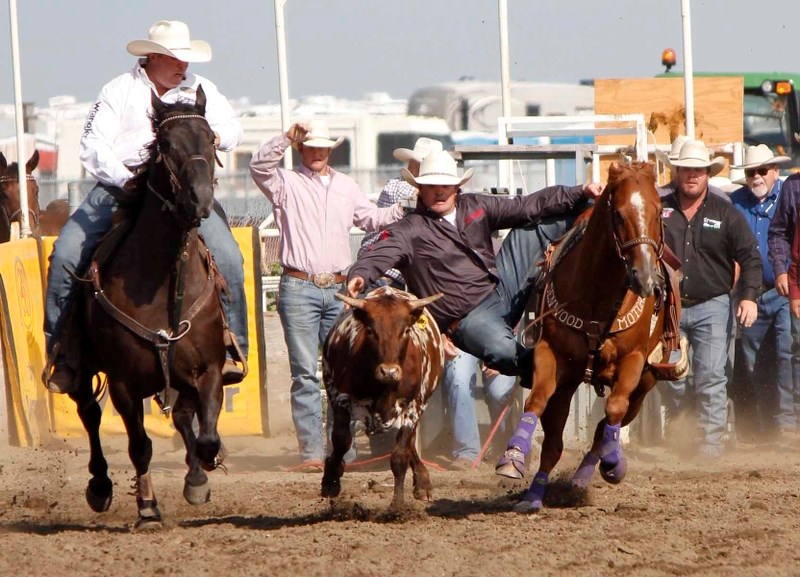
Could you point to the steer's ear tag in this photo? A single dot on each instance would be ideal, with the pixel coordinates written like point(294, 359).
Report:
point(422, 322)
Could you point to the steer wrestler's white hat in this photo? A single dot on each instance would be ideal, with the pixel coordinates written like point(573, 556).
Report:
point(319, 135)
point(761, 155)
point(437, 168)
point(171, 37)
point(422, 148)
point(694, 154)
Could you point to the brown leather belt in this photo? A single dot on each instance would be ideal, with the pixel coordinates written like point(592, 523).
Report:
point(321, 279)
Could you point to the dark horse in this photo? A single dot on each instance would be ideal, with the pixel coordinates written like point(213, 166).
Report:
point(603, 314)
point(152, 318)
point(43, 223)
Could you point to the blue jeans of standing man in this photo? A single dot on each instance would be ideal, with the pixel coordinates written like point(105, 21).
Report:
point(795, 326)
point(460, 387)
point(80, 236)
point(706, 326)
point(307, 314)
point(773, 310)
point(487, 331)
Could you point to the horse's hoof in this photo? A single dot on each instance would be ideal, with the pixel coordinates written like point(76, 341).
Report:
point(196, 495)
point(583, 475)
point(331, 488)
point(614, 473)
point(98, 498)
point(525, 507)
point(423, 495)
point(511, 464)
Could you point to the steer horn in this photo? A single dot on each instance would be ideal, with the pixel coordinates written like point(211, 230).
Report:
point(419, 303)
point(352, 301)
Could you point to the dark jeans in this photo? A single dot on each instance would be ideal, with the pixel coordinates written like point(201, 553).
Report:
point(487, 332)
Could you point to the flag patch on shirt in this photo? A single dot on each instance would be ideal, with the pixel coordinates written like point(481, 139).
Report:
point(384, 234)
point(711, 223)
point(667, 212)
point(474, 216)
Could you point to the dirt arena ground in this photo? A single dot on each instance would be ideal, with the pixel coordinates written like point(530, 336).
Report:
point(671, 516)
point(739, 516)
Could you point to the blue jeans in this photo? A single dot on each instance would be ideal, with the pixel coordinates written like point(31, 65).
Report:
point(460, 386)
point(307, 314)
point(80, 236)
point(795, 322)
point(706, 326)
point(773, 310)
point(487, 332)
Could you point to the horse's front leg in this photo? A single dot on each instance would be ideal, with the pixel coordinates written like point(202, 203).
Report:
point(512, 463)
point(99, 491)
point(210, 450)
point(554, 418)
point(606, 449)
point(195, 484)
point(140, 451)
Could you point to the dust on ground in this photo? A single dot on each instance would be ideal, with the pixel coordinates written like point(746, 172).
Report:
point(670, 516)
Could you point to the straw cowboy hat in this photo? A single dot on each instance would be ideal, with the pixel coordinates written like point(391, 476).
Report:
point(761, 155)
point(674, 151)
point(437, 168)
point(694, 154)
point(319, 135)
point(422, 148)
point(171, 37)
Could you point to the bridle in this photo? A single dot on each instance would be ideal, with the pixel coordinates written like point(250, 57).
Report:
point(10, 218)
point(162, 158)
point(622, 247)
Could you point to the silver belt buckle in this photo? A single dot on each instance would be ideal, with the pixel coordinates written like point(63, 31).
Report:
point(324, 279)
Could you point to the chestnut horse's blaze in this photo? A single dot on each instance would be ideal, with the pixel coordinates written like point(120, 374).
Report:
point(604, 309)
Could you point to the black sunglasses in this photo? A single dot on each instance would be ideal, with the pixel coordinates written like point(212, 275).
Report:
point(762, 171)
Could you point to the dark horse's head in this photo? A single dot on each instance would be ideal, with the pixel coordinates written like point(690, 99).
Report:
point(10, 206)
point(180, 170)
point(635, 208)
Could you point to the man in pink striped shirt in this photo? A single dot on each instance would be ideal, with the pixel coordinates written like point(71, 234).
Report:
point(314, 208)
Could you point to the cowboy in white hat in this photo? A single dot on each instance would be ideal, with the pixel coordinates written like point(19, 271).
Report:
point(710, 238)
point(758, 201)
point(314, 207)
point(117, 129)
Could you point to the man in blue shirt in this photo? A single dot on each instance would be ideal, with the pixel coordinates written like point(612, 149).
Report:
point(758, 202)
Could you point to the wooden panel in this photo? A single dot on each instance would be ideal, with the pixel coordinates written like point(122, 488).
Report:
point(718, 106)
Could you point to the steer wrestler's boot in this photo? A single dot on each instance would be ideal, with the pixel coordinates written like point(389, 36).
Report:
point(58, 376)
point(232, 373)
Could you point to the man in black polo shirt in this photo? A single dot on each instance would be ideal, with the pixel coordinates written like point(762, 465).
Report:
point(709, 236)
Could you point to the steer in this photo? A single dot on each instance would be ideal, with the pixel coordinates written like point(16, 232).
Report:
point(380, 363)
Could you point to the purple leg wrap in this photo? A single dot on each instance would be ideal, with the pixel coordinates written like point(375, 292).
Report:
point(535, 493)
point(583, 475)
point(613, 464)
point(524, 433)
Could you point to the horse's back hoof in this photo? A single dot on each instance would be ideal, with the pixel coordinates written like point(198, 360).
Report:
point(511, 464)
point(525, 507)
point(197, 495)
point(331, 488)
point(615, 473)
point(99, 496)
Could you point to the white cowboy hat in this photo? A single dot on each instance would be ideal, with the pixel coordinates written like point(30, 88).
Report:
point(694, 154)
point(674, 150)
point(761, 155)
point(171, 37)
point(422, 148)
point(319, 135)
point(437, 168)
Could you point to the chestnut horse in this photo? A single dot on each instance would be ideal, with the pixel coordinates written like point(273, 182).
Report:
point(602, 314)
point(42, 223)
point(151, 319)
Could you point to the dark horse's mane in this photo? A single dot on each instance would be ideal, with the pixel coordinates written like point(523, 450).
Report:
point(636, 170)
point(139, 178)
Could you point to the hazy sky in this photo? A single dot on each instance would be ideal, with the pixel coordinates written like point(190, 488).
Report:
point(350, 47)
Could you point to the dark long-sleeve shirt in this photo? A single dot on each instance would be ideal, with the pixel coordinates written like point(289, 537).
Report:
point(782, 229)
point(708, 246)
point(434, 256)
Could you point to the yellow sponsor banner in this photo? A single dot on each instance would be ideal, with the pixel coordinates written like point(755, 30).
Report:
point(244, 404)
point(23, 342)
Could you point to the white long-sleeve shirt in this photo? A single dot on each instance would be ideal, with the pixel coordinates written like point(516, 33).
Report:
point(118, 126)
